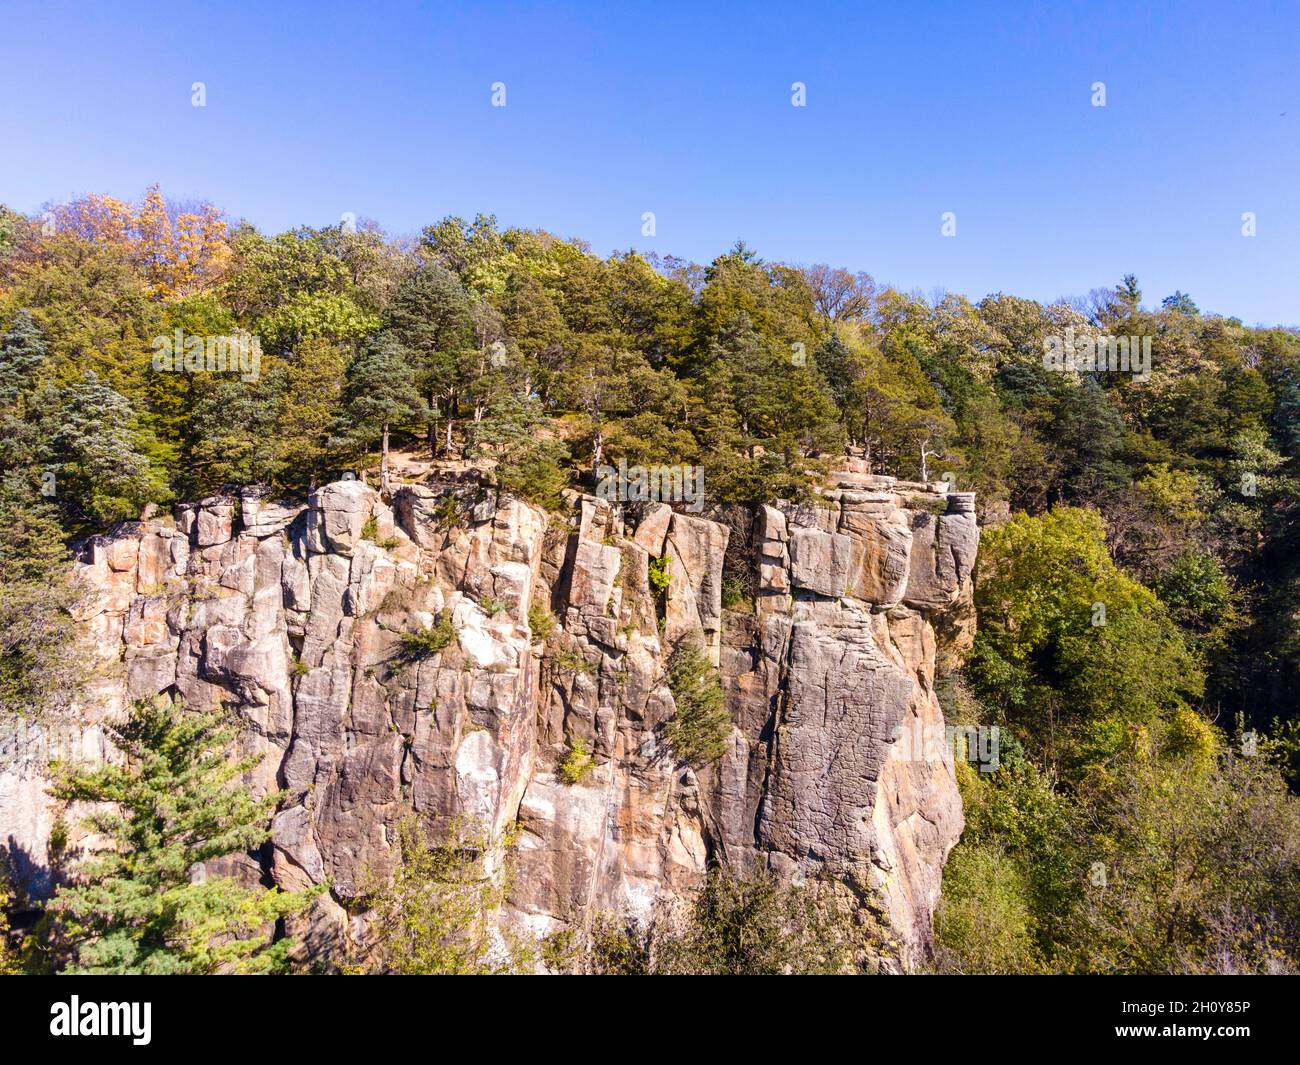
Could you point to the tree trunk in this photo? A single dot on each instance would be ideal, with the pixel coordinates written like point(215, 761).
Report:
point(383, 464)
point(597, 452)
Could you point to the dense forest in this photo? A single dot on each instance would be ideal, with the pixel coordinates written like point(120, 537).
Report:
point(1138, 590)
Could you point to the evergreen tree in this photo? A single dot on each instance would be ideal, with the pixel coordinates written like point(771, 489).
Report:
point(431, 317)
point(96, 448)
point(22, 350)
point(40, 670)
point(380, 391)
point(141, 904)
point(700, 731)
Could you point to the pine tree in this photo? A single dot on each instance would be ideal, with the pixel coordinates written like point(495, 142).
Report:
point(96, 447)
point(39, 670)
point(139, 905)
point(380, 391)
point(431, 317)
point(700, 731)
point(22, 350)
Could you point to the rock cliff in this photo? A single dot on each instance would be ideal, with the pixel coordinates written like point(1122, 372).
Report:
point(292, 616)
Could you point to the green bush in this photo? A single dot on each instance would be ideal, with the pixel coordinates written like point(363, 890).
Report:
point(659, 580)
point(984, 922)
point(577, 763)
point(535, 470)
point(491, 607)
point(737, 924)
point(540, 620)
point(567, 660)
point(733, 594)
point(424, 643)
point(700, 731)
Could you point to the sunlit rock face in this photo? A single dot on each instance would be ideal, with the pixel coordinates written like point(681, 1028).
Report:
point(292, 616)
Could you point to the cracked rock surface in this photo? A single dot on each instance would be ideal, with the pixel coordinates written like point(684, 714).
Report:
point(292, 615)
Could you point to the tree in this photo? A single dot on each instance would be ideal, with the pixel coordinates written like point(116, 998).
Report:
point(96, 449)
point(431, 318)
point(840, 296)
point(1067, 641)
point(434, 914)
point(380, 391)
point(700, 730)
point(22, 351)
point(1201, 851)
point(40, 670)
point(1181, 303)
point(535, 470)
point(1129, 294)
point(141, 904)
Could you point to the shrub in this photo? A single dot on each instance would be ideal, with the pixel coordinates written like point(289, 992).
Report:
point(737, 924)
point(435, 914)
point(540, 620)
point(733, 594)
point(370, 528)
point(535, 470)
point(659, 580)
point(700, 730)
point(491, 607)
point(577, 763)
point(448, 510)
point(570, 661)
point(424, 643)
point(984, 922)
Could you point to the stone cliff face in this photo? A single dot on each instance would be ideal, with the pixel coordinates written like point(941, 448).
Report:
point(292, 616)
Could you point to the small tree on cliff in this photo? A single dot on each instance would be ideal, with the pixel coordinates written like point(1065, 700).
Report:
point(380, 391)
point(136, 906)
point(700, 730)
point(435, 916)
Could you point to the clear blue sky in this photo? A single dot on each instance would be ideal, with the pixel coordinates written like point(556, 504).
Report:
point(913, 109)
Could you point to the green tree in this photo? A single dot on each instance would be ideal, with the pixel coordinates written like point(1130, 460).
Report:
point(435, 914)
point(1066, 639)
point(40, 669)
point(700, 731)
point(431, 318)
point(97, 449)
point(138, 905)
point(379, 392)
point(22, 352)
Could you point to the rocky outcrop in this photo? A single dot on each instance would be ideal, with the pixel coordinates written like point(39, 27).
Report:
point(293, 616)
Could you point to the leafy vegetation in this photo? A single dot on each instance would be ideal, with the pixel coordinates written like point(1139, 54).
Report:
point(435, 914)
point(1123, 831)
point(540, 621)
point(577, 763)
point(1139, 579)
point(699, 731)
point(425, 643)
point(137, 904)
point(738, 924)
